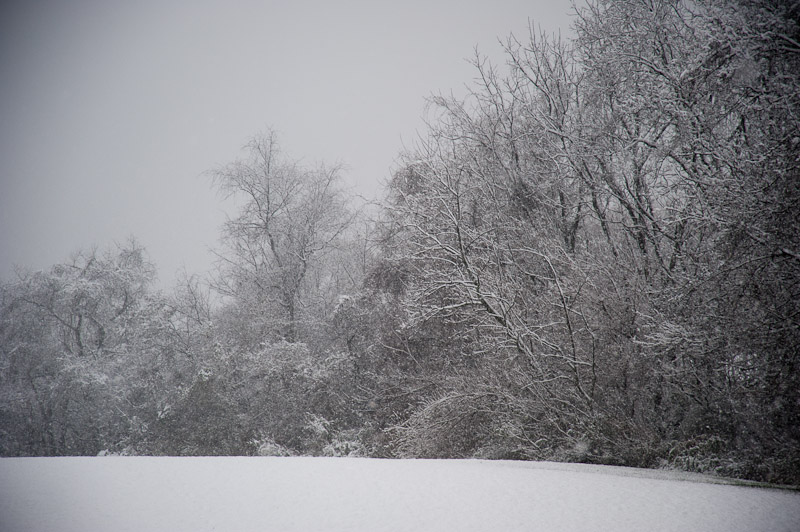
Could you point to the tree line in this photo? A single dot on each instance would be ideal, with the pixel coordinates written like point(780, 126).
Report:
point(594, 256)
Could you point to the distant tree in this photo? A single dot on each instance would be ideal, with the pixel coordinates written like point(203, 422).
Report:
point(290, 219)
point(81, 345)
point(295, 250)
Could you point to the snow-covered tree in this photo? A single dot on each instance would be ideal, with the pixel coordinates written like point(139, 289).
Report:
point(613, 223)
point(290, 219)
point(81, 348)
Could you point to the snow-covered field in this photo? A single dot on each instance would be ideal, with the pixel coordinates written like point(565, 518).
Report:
point(314, 494)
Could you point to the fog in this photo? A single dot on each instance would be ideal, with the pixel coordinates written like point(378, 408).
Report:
point(112, 112)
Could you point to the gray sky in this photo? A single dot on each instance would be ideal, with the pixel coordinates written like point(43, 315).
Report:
point(111, 111)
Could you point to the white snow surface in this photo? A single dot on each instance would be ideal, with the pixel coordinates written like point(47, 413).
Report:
point(358, 494)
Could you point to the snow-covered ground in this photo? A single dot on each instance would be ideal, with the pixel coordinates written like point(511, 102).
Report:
point(315, 494)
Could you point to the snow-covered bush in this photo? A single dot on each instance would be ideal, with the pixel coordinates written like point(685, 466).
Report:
point(266, 446)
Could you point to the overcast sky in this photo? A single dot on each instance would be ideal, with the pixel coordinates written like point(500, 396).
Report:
point(110, 112)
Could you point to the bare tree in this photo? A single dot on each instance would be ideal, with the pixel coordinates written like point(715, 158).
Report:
point(290, 218)
point(614, 222)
